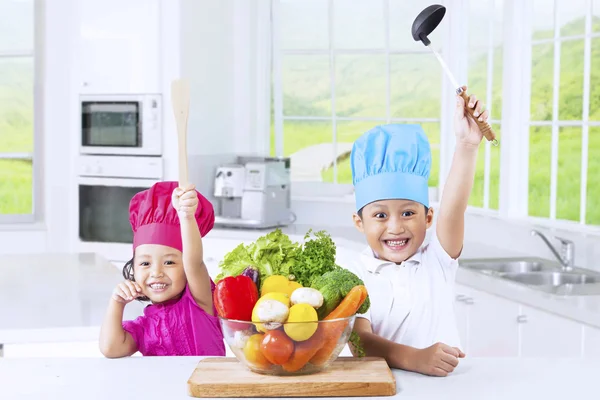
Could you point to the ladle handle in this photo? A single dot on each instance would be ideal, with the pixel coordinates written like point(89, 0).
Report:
point(485, 128)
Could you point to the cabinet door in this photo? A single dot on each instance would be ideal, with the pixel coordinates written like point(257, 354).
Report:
point(591, 346)
point(547, 335)
point(461, 312)
point(493, 327)
point(119, 46)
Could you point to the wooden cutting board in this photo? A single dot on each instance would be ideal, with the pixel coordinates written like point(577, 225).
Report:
point(346, 377)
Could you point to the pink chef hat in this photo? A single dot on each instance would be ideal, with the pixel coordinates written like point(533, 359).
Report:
point(155, 221)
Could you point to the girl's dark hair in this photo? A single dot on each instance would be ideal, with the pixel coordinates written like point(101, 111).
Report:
point(128, 274)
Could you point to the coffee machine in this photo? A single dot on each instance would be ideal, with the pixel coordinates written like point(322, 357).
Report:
point(253, 192)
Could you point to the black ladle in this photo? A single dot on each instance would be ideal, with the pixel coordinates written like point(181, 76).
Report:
point(426, 22)
point(422, 26)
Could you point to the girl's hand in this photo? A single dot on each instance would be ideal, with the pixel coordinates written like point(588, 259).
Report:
point(185, 201)
point(467, 131)
point(126, 292)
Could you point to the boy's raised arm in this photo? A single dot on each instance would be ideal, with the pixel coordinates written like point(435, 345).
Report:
point(451, 218)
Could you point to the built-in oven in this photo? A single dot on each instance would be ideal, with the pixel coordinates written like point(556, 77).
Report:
point(105, 187)
point(121, 124)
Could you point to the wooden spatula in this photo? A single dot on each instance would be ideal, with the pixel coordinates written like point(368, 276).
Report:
point(180, 97)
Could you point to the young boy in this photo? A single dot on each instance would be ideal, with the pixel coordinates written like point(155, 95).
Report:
point(411, 320)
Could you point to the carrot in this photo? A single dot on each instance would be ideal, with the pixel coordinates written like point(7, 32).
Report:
point(303, 352)
point(332, 331)
point(349, 304)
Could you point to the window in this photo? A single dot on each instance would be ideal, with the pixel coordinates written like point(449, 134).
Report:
point(16, 110)
point(484, 77)
point(564, 127)
point(343, 67)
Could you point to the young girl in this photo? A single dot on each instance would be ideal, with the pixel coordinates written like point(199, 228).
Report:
point(168, 270)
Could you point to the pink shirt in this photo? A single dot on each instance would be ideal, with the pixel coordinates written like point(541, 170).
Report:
point(177, 328)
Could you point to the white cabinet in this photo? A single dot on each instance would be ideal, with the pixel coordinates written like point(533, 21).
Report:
point(591, 337)
point(461, 312)
point(487, 324)
point(547, 335)
point(119, 46)
point(492, 326)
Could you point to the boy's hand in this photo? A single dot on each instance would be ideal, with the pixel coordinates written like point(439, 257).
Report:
point(185, 201)
point(126, 292)
point(437, 360)
point(466, 128)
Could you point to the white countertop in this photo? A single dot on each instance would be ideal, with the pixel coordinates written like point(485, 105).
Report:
point(56, 297)
point(166, 377)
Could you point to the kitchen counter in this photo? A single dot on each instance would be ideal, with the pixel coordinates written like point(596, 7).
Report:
point(56, 297)
point(166, 377)
point(584, 309)
point(63, 297)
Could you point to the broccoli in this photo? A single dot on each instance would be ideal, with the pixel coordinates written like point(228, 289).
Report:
point(357, 344)
point(334, 286)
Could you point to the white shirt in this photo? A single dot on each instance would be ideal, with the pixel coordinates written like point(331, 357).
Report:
point(411, 303)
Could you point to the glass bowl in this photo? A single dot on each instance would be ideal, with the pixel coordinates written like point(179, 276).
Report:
point(292, 348)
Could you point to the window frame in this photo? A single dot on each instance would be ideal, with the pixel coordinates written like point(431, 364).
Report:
point(36, 156)
point(556, 123)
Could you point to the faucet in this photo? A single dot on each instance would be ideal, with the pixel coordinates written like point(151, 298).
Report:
point(567, 250)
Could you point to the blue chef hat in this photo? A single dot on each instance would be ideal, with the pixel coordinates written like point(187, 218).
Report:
point(391, 162)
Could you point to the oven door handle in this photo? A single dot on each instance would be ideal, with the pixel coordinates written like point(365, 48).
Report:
point(118, 182)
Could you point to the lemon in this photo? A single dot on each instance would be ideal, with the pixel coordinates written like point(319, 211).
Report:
point(279, 283)
point(292, 286)
point(274, 283)
point(301, 313)
point(282, 297)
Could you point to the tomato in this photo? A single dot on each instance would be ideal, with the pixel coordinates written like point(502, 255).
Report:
point(253, 353)
point(277, 347)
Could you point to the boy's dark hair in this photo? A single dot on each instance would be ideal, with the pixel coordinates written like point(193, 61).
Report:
point(361, 210)
point(128, 274)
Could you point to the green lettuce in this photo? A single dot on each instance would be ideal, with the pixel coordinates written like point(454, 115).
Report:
point(235, 262)
point(272, 254)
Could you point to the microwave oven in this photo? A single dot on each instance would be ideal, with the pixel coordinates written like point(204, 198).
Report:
point(121, 124)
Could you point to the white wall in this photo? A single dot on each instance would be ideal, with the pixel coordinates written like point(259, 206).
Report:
point(60, 121)
point(207, 61)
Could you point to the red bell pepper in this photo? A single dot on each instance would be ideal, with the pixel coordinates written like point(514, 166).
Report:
point(235, 296)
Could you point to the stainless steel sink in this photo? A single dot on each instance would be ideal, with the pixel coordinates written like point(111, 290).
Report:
point(539, 274)
point(551, 278)
point(510, 265)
